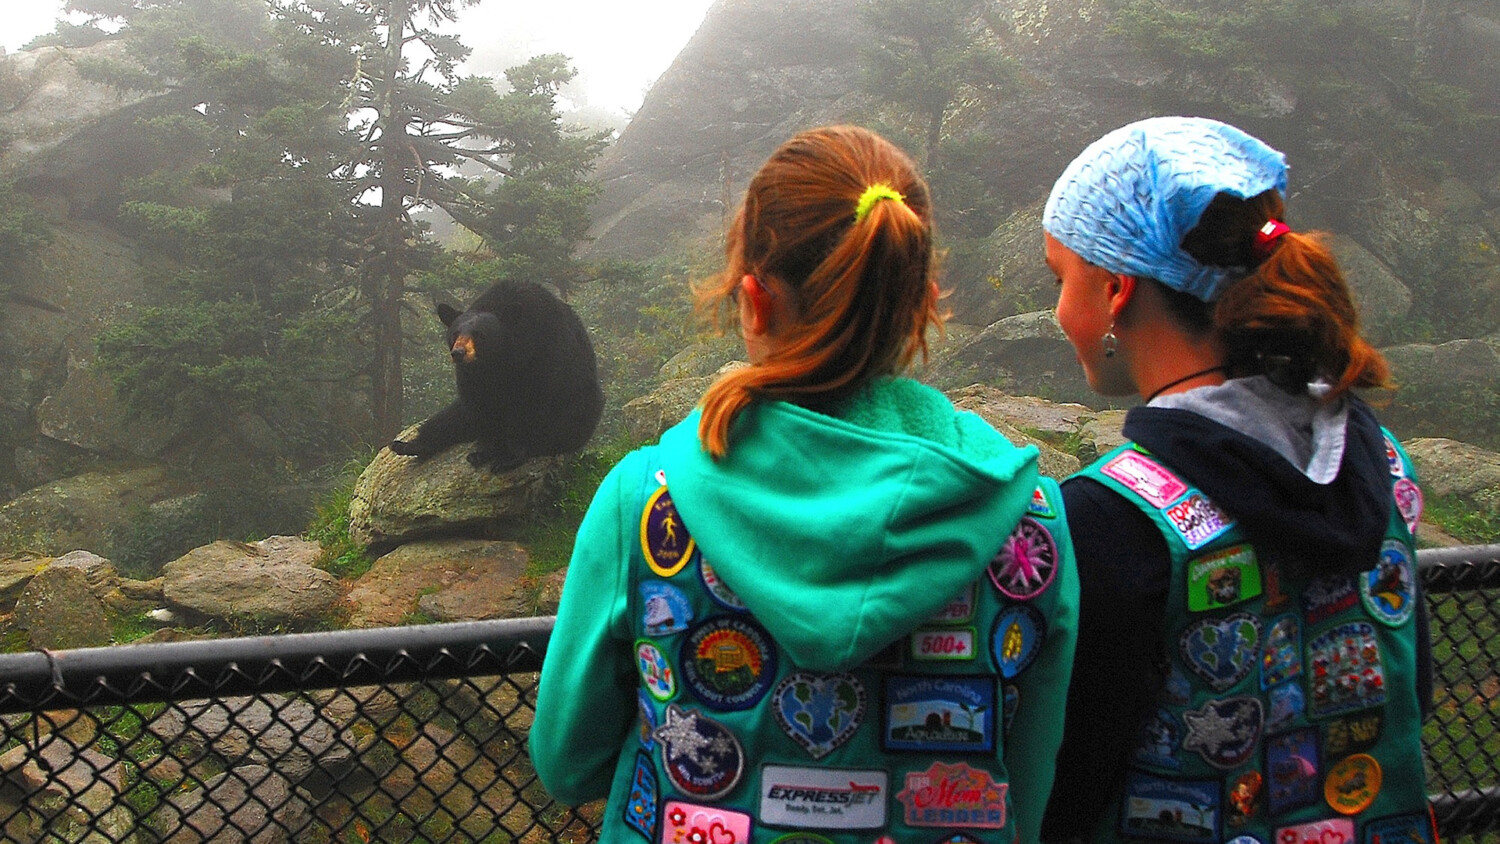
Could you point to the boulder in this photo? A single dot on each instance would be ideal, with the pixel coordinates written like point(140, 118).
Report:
point(58, 610)
point(1383, 301)
point(447, 579)
point(251, 804)
point(399, 499)
point(646, 417)
point(1447, 390)
point(83, 511)
point(74, 794)
point(1002, 412)
point(15, 573)
point(1448, 467)
point(289, 733)
point(1025, 354)
point(271, 583)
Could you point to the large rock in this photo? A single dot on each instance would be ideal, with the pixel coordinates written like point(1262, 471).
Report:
point(58, 610)
point(83, 511)
point(1448, 467)
point(1025, 355)
point(73, 794)
point(447, 579)
point(1005, 413)
point(1383, 301)
point(1447, 390)
point(290, 733)
point(267, 584)
point(399, 499)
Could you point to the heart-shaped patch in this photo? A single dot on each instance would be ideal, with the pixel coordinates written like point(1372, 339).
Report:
point(819, 711)
point(1221, 651)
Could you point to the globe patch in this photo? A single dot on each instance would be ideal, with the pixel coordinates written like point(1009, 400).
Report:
point(819, 711)
point(1221, 651)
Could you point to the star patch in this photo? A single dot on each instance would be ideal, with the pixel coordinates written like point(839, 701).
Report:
point(728, 662)
point(1025, 565)
point(1388, 591)
point(702, 758)
point(1221, 651)
point(1224, 732)
point(664, 540)
point(819, 711)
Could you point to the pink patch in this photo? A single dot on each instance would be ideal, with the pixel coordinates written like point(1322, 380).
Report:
point(1335, 831)
point(687, 823)
point(1145, 477)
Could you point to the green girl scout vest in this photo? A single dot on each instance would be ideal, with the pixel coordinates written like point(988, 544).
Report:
point(1289, 714)
point(921, 744)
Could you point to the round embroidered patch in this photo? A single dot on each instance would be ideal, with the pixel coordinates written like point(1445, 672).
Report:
point(1025, 565)
point(656, 673)
point(728, 662)
point(716, 588)
point(801, 838)
point(1222, 651)
point(1408, 502)
point(701, 757)
point(1244, 839)
point(1224, 732)
point(1352, 784)
point(1388, 589)
point(1016, 639)
point(664, 539)
point(819, 711)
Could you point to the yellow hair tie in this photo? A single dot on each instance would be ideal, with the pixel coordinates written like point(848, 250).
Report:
point(872, 195)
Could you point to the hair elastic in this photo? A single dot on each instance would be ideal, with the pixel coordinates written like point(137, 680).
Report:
point(1266, 237)
point(873, 194)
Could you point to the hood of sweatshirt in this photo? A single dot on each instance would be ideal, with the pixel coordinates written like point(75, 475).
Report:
point(844, 531)
point(1308, 479)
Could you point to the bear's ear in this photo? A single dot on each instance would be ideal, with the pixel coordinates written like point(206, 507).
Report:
point(447, 313)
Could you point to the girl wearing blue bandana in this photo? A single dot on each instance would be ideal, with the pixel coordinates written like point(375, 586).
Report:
point(1252, 654)
point(827, 606)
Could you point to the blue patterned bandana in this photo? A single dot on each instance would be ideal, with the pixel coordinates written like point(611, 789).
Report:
point(1126, 201)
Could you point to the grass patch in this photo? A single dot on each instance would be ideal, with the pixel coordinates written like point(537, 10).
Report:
point(1462, 519)
point(341, 557)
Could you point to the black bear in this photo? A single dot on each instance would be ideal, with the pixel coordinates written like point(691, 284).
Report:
point(528, 383)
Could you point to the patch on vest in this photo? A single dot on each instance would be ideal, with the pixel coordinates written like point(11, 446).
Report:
point(1024, 566)
point(1243, 798)
point(942, 645)
point(689, 823)
point(1160, 741)
point(1223, 578)
point(1170, 810)
point(1408, 502)
point(664, 540)
point(1292, 770)
point(1346, 670)
point(1039, 505)
point(1393, 459)
point(666, 609)
point(1402, 829)
point(1221, 651)
point(938, 714)
point(716, 588)
point(1010, 701)
point(1327, 596)
point(823, 798)
point(1281, 655)
point(647, 718)
point(954, 796)
point(1224, 732)
point(960, 610)
point(1353, 733)
point(1352, 784)
point(819, 711)
point(728, 662)
point(1333, 831)
point(1197, 520)
point(641, 807)
point(1389, 590)
point(656, 673)
point(1287, 705)
point(1145, 477)
point(1016, 639)
point(802, 838)
point(702, 757)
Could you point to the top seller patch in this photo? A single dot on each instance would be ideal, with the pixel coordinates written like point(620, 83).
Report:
point(664, 539)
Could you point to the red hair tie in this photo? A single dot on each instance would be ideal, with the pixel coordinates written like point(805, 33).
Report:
point(1266, 237)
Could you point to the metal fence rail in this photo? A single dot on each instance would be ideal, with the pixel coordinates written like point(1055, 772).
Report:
point(417, 734)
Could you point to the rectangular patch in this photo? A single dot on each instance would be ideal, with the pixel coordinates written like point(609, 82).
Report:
point(679, 820)
point(1197, 520)
point(1318, 832)
point(960, 610)
point(954, 796)
point(823, 798)
point(1223, 578)
point(1145, 477)
point(1170, 810)
point(938, 714)
point(944, 645)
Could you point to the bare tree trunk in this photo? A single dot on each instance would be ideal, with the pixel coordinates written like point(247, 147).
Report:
point(388, 281)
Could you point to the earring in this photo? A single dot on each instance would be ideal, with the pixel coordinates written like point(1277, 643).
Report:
point(1111, 342)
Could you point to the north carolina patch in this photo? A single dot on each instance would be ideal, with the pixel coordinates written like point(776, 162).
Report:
point(938, 714)
point(641, 806)
point(664, 539)
point(960, 610)
point(1292, 770)
point(1281, 653)
point(1408, 502)
point(1197, 520)
point(819, 711)
point(954, 796)
point(656, 673)
point(823, 798)
point(1332, 831)
point(942, 644)
point(666, 609)
point(1224, 732)
point(1016, 639)
point(1346, 670)
point(1389, 590)
point(1145, 477)
point(701, 757)
point(1327, 596)
point(716, 587)
point(1026, 563)
point(728, 662)
point(1352, 784)
point(1402, 829)
point(1223, 578)
point(1243, 798)
point(1221, 651)
point(1170, 810)
point(689, 823)
point(1010, 701)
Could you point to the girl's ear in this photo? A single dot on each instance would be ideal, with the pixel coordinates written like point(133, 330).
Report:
point(1120, 290)
point(757, 305)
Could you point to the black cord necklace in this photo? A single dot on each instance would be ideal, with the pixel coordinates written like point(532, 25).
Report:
point(1190, 376)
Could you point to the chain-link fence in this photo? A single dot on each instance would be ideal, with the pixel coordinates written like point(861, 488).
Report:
point(417, 734)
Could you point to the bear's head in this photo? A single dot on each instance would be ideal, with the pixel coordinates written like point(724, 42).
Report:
point(471, 334)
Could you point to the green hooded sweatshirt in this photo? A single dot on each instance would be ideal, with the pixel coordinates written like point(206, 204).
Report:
point(748, 647)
